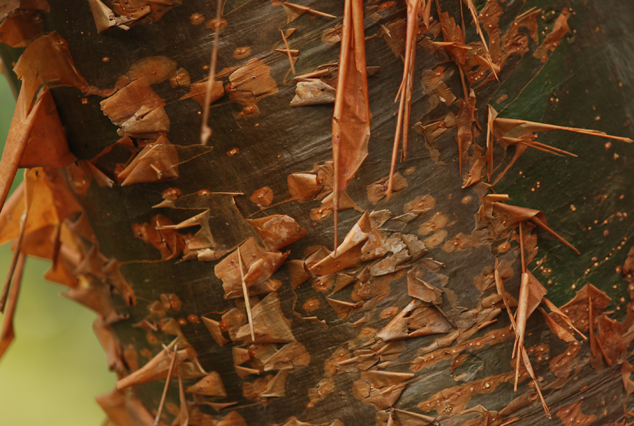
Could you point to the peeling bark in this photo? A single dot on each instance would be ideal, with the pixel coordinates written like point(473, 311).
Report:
point(218, 266)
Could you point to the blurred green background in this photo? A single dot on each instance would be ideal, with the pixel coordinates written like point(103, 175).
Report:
point(55, 367)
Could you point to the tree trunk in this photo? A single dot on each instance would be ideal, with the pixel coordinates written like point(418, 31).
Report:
point(406, 322)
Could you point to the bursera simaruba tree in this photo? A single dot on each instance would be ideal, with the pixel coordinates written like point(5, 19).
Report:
point(223, 294)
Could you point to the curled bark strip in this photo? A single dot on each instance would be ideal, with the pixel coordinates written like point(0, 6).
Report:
point(288, 53)
point(555, 310)
point(7, 334)
point(245, 293)
point(518, 214)
point(550, 43)
point(521, 133)
point(513, 127)
point(183, 414)
point(351, 118)
point(126, 14)
point(36, 138)
point(405, 89)
point(491, 118)
point(205, 131)
point(170, 372)
point(476, 21)
point(294, 11)
point(124, 410)
point(16, 260)
point(526, 305)
point(48, 60)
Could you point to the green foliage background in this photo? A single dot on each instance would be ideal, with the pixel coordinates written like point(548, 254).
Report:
point(55, 366)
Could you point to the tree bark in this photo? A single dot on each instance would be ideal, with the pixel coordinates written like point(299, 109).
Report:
point(403, 325)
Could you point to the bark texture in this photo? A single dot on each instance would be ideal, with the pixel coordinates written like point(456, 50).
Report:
point(405, 324)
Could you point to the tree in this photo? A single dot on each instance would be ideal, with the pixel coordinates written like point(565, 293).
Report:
point(221, 298)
